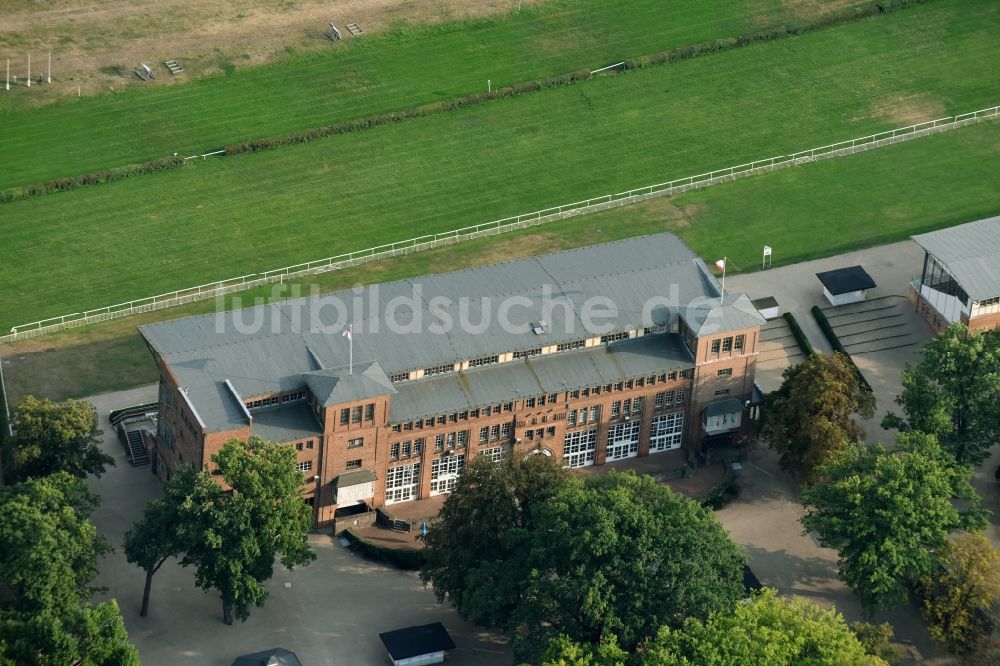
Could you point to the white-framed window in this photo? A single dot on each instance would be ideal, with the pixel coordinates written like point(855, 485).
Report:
point(595, 412)
point(497, 453)
point(401, 483)
point(579, 448)
point(571, 418)
point(623, 440)
point(666, 432)
point(505, 430)
point(484, 434)
point(445, 472)
point(304, 466)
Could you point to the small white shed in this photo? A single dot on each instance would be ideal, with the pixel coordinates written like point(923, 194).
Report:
point(415, 646)
point(846, 285)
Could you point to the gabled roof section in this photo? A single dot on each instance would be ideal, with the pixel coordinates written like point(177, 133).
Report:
point(333, 386)
point(971, 254)
point(710, 316)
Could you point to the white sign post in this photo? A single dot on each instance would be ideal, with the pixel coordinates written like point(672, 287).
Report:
point(766, 259)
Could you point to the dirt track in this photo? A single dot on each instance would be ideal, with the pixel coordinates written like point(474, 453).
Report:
point(97, 45)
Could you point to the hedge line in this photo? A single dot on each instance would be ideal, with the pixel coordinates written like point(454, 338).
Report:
point(800, 337)
point(716, 498)
point(95, 178)
point(267, 143)
point(827, 329)
point(303, 136)
point(681, 53)
point(834, 18)
point(404, 558)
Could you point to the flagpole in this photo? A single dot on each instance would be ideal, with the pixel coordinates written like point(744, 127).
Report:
point(722, 296)
point(350, 358)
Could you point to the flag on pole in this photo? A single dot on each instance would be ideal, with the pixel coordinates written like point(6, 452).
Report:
point(721, 264)
point(348, 332)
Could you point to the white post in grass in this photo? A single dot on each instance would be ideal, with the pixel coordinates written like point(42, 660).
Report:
point(7, 80)
point(50, 67)
point(29, 70)
point(489, 86)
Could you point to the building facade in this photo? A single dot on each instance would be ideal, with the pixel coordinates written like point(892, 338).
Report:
point(392, 416)
point(960, 277)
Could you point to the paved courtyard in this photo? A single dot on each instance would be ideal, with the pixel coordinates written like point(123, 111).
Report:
point(880, 357)
point(330, 612)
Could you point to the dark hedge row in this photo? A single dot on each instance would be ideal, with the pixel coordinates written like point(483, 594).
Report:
point(827, 329)
point(404, 558)
point(799, 336)
point(832, 19)
point(95, 178)
point(267, 143)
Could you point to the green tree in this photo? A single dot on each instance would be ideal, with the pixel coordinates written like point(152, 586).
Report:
point(48, 556)
point(51, 437)
point(886, 512)
point(564, 652)
point(961, 600)
point(242, 531)
point(470, 552)
point(808, 420)
point(162, 533)
point(619, 554)
point(953, 393)
point(877, 640)
point(768, 631)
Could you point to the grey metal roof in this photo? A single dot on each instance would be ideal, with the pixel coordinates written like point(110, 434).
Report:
point(845, 280)
point(286, 423)
point(271, 347)
point(540, 375)
point(727, 406)
point(333, 386)
point(971, 253)
point(345, 479)
point(709, 316)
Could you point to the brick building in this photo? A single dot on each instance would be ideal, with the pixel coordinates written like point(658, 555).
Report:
point(960, 279)
point(591, 355)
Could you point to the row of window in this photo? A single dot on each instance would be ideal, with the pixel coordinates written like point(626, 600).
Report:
point(729, 344)
point(275, 399)
point(494, 432)
point(350, 415)
point(626, 407)
point(638, 382)
point(540, 433)
point(308, 444)
point(666, 432)
point(443, 442)
point(669, 399)
point(454, 417)
point(579, 447)
point(577, 417)
point(540, 401)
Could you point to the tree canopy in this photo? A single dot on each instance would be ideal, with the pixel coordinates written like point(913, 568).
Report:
point(621, 554)
point(242, 531)
point(886, 512)
point(953, 393)
point(48, 557)
point(768, 631)
point(53, 437)
point(483, 525)
point(808, 419)
point(961, 600)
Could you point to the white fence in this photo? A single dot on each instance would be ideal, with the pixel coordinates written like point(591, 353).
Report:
point(213, 289)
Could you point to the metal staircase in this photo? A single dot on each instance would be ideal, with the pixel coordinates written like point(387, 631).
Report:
point(136, 451)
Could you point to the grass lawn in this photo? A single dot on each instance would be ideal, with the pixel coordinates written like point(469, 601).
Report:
point(869, 198)
point(361, 77)
point(215, 219)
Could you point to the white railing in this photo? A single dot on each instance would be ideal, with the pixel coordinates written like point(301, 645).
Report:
point(668, 188)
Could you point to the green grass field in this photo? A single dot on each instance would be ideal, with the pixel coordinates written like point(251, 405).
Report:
point(816, 210)
point(362, 77)
point(215, 219)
